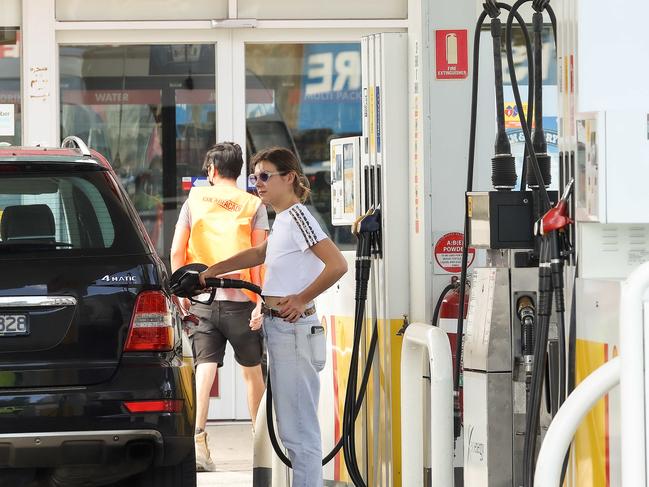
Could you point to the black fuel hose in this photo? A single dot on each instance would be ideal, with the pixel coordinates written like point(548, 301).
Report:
point(440, 300)
point(519, 104)
point(532, 149)
point(359, 404)
point(232, 284)
point(544, 309)
point(572, 352)
point(469, 188)
point(363, 266)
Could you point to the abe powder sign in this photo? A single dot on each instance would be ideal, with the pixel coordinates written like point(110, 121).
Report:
point(451, 54)
point(448, 253)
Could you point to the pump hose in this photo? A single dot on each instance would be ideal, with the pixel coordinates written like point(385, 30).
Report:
point(363, 265)
point(469, 185)
point(440, 300)
point(353, 401)
point(517, 96)
point(572, 340)
point(359, 403)
point(540, 357)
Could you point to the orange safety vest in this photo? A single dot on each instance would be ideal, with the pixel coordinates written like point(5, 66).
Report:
point(221, 225)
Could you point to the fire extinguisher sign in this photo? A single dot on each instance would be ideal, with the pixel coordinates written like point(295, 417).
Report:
point(451, 54)
point(448, 253)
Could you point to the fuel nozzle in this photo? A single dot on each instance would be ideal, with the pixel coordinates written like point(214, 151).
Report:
point(526, 312)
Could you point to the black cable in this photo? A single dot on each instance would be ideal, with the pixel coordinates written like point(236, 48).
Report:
point(553, 20)
point(469, 188)
point(232, 284)
point(519, 104)
point(556, 265)
point(540, 360)
point(572, 352)
point(503, 171)
point(349, 435)
point(359, 404)
point(530, 97)
point(440, 300)
point(361, 390)
point(349, 450)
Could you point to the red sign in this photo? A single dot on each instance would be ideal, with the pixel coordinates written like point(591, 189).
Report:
point(448, 252)
point(451, 54)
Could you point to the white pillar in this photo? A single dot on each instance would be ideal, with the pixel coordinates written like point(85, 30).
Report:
point(40, 80)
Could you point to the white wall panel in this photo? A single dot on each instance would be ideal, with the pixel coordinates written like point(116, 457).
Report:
point(331, 9)
point(75, 10)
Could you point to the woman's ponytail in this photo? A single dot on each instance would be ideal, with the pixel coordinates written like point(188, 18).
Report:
point(302, 187)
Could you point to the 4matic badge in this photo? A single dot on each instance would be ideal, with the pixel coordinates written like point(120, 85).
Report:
point(117, 279)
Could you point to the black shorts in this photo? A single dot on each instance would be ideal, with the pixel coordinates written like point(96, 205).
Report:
point(220, 322)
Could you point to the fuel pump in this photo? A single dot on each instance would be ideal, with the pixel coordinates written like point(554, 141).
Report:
point(506, 344)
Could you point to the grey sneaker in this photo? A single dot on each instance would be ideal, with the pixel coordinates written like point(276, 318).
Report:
point(204, 462)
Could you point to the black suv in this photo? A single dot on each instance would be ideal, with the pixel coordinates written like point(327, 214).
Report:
point(94, 386)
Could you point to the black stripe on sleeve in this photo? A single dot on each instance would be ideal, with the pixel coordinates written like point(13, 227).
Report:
point(307, 223)
point(300, 224)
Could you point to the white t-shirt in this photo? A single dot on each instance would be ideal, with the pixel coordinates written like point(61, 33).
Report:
point(291, 265)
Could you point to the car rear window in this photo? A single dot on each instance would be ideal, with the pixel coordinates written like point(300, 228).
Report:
point(71, 213)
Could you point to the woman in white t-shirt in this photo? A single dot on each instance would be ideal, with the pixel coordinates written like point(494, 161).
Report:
point(301, 263)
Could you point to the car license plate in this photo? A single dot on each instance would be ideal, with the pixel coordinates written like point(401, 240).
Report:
point(12, 325)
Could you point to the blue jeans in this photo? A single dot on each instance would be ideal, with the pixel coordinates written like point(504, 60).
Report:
point(296, 358)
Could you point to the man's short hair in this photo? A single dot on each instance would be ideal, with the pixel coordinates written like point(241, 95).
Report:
point(227, 159)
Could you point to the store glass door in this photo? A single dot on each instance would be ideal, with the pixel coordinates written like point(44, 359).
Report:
point(151, 110)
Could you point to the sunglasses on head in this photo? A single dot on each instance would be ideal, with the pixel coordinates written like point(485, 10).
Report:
point(263, 176)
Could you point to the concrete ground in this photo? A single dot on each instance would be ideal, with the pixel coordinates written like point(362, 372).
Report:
point(231, 449)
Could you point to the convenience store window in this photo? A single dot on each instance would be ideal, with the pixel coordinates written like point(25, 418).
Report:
point(151, 110)
point(10, 103)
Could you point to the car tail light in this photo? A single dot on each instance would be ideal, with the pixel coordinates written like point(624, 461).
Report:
point(161, 406)
point(151, 328)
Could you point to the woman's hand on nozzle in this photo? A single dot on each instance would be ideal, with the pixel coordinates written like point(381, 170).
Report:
point(201, 278)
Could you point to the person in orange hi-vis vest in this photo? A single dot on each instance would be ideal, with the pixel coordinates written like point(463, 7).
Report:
point(215, 223)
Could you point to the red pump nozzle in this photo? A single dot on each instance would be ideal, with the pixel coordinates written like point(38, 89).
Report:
point(556, 218)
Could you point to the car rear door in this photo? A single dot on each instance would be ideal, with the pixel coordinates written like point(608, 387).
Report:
point(72, 262)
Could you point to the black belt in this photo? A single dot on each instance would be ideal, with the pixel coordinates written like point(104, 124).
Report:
point(275, 313)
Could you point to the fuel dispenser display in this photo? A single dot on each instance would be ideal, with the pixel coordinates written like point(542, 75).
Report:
point(345, 180)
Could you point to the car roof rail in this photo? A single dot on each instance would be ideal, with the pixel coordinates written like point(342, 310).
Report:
point(74, 142)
